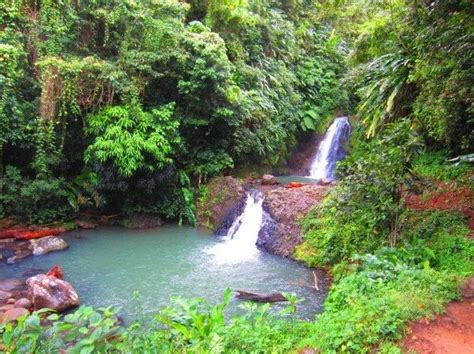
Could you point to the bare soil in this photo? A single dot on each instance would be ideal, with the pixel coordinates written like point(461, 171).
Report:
point(451, 333)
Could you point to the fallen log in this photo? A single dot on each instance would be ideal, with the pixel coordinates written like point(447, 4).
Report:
point(273, 297)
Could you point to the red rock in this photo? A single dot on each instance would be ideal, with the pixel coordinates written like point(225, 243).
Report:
point(12, 232)
point(14, 314)
point(28, 235)
point(56, 271)
point(6, 307)
point(294, 185)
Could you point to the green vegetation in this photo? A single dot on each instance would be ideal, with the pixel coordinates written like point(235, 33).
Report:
point(154, 97)
point(130, 106)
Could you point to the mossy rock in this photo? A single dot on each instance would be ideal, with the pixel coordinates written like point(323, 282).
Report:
point(217, 199)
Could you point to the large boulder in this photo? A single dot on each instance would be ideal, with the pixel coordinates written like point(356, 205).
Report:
point(47, 244)
point(218, 198)
point(286, 207)
point(50, 292)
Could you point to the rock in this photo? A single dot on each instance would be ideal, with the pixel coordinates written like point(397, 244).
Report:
point(50, 292)
point(11, 301)
point(325, 182)
point(4, 296)
point(281, 232)
point(48, 244)
point(6, 307)
point(269, 180)
point(84, 224)
point(10, 284)
point(142, 222)
point(23, 302)
point(56, 271)
point(221, 196)
point(19, 255)
point(294, 185)
point(14, 314)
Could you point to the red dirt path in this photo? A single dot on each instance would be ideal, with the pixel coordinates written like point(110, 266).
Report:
point(452, 332)
point(446, 197)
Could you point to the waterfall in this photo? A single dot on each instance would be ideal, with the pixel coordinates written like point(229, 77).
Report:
point(239, 244)
point(331, 149)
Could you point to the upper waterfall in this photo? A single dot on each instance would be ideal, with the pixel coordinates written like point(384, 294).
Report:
point(331, 149)
point(240, 241)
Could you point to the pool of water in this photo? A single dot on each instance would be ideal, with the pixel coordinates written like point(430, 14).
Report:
point(107, 265)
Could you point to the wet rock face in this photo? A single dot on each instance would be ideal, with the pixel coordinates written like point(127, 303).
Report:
point(222, 196)
point(281, 232)
point(231, 216)
point(50, 292)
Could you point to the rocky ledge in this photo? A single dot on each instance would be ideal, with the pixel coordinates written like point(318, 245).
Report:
point(218, 199)
point(287, 206)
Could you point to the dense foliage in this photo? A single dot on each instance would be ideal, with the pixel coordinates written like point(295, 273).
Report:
point(129, 106)
point(157, 96)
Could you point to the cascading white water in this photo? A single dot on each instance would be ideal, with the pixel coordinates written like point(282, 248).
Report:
point(331, 149)
point(240, 242)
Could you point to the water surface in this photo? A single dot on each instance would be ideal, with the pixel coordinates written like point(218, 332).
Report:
point(107, 265)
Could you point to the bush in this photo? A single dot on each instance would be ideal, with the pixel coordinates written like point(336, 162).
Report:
point(363, 212)
point(434, 166)
point(37, 201)
point(373, 301)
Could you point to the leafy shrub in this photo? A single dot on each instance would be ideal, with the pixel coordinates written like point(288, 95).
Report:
point(433, 165)
point(440, 237)
point(363, 212)
point(83, 331)
point(37, 201)
point(373, 302)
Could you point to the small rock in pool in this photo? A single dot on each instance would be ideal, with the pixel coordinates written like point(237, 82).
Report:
point(85, 224)
point(56, 271)
point(48, 244)
point(269, 180)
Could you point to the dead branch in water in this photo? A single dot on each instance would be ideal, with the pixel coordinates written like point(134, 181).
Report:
point(316, 285)
point(273, 297)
